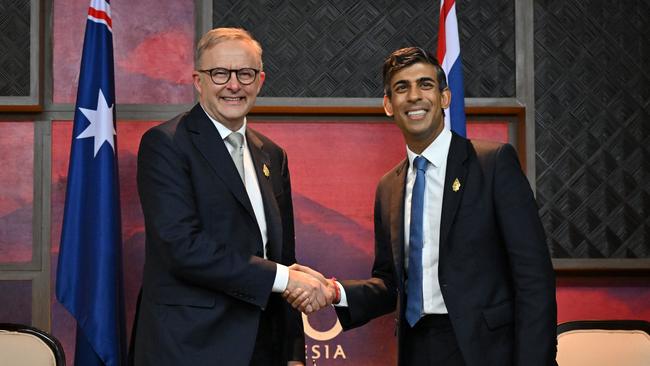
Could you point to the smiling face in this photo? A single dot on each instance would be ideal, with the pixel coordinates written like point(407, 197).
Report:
point(416, 104)
point(231, 102)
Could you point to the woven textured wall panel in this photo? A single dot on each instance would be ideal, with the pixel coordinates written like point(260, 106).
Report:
point(315, 48)
point(592, 100)
point(14, 48)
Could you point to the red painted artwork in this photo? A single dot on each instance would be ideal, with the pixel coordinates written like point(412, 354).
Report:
point(17, 182)
point(16, 302)
point(335, 167)
point(153, 50)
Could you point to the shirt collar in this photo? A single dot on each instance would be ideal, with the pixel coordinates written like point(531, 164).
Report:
point(225, 131)
point(436, 153)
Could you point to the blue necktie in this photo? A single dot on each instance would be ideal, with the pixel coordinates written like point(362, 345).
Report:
point(414, 294)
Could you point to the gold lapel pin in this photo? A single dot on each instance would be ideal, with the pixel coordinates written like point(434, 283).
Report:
point(266, 171)
point(456, 185)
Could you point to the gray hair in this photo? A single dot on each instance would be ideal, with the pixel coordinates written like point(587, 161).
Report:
point(218, 35)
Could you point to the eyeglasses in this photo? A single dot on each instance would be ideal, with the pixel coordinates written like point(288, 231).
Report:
point(220, 76)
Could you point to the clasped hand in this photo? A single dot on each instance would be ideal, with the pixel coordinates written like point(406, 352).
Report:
point(308, 290)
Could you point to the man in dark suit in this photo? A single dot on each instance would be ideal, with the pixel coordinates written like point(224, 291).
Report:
point(459, 247)
point(216, 198)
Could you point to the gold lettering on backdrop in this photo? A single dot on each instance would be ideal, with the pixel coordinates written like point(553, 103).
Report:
point(315, 350)
point(325, 351)
point(339, 352)
point(318, 335)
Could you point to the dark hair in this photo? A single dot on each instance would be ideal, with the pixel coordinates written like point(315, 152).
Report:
point(408, 56)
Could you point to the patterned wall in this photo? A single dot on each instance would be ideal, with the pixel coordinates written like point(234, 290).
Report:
point(487, 41)
point(591, 161)
point(14, 48)
point(333, 48)
point(592, 100)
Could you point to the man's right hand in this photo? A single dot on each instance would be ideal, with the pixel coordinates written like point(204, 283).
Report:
point(308, 290)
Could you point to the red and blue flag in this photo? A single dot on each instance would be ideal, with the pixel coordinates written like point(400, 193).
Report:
point(449, 56)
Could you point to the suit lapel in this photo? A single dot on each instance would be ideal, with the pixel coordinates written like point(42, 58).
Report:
point(209, 143)
point(456, 170)
point(263, 170)
point(397, 219)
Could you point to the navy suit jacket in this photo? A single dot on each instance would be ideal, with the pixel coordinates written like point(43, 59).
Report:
point(205, 282)
point(495, 271)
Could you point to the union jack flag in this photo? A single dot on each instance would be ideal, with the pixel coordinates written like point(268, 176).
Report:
point(449, 56)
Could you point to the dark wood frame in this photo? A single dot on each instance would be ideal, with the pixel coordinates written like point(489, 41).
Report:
point(623, 324)
point(518, 112)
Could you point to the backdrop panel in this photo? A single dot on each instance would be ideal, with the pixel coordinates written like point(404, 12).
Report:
point(592, 127)
point(334, 170)
point(16, 199)
point(337, 48)
point(154, 45)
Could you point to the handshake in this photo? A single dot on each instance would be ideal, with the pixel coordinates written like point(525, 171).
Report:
point(308, 290)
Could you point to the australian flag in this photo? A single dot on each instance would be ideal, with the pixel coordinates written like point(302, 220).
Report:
point(89, 275)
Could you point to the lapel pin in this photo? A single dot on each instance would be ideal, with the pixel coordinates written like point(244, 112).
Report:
point(456, 185)
point(266, 171)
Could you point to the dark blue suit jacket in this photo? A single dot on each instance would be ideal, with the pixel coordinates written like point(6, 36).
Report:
point(495, 271)
point(205, 283)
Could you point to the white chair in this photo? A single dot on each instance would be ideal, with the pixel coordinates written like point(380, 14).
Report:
point(604, 343)
point(22, 345)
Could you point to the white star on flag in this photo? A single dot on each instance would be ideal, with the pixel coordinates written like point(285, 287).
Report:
point(101, 124)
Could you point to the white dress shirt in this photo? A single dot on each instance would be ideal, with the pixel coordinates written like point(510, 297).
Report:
point(255, 197)
point(436, 154)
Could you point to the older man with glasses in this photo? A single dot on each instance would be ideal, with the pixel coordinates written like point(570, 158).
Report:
point(216, 198)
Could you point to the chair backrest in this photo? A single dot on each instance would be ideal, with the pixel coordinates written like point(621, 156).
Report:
point(22, 345)
point(604, 343)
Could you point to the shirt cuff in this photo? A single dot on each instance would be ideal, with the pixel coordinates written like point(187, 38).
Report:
point(281, 278)
point(344, 299)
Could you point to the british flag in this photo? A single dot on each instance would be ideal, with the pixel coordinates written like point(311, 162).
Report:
point(449, 56)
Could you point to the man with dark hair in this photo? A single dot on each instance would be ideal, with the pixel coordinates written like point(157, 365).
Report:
point(459, 247)
point(216, 199)
point(405, 57)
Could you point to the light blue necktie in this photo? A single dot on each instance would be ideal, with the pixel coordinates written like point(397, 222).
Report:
point(414, 294)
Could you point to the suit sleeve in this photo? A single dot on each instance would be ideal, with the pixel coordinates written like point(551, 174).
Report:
point(376, 296)
point(173, 224)
point(530, 264)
